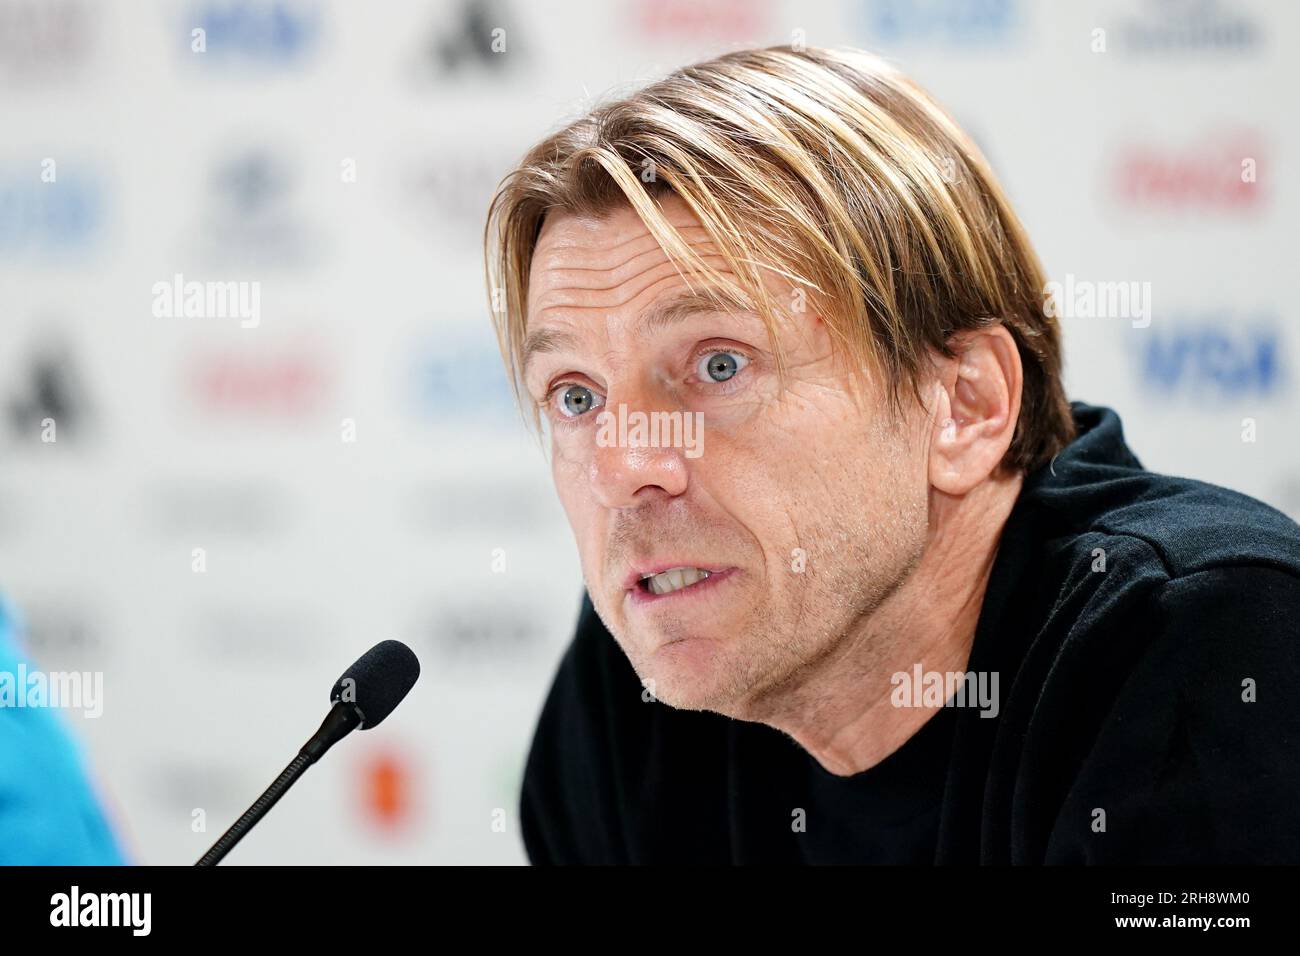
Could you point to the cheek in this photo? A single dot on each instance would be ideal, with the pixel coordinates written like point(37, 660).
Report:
point(757, 478)
point(791, 447)
point(820, 466)
point(570, 476)
point(587, 518)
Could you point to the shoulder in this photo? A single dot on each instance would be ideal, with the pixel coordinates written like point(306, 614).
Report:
point(1191, 589)
point(1131, 548)
point(1210, 573)
point(1156, 720)
point(1182, 728)
point(1097, 489)
point(1195, 527)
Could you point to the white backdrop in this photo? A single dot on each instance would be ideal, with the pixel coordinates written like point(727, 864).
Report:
point(342, 155)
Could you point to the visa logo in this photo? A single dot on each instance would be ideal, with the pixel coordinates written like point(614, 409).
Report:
point(942, 22)
point(1223, 360)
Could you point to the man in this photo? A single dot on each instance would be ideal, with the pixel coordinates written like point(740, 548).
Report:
point(807, 423)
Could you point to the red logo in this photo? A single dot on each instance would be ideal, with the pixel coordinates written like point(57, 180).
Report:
point(670, 19)
point(1218, 173)
point(286, 385)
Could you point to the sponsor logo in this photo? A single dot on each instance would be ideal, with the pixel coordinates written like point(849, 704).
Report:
point(1215, 173)
point(947, 23)
point(1166, 27)
point(44, 39)
point(48, 219)
point(1225, 356)
point(252, 32)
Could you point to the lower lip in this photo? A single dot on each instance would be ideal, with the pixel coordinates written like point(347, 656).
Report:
point(642, 597)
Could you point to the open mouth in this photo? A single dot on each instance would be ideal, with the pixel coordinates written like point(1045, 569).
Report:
point(673, 579)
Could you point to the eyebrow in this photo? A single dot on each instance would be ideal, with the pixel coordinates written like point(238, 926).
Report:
point(662, 315)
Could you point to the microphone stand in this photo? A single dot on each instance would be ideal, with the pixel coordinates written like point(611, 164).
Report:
point(339, 722)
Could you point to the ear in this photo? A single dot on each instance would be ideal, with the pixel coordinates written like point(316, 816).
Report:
point(976, 406)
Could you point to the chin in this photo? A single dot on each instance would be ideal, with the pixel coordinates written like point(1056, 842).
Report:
point(689, 674)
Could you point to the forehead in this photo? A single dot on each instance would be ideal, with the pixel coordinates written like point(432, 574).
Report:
point(565, 232)
point(577, 258)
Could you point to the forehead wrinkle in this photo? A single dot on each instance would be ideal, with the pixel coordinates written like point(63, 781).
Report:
point(661, 308)
point(559, 277)
point(619, 295)
point(602, 257)
point(668, 311)
point(604, 280)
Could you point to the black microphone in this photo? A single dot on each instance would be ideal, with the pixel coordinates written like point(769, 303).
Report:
point(365, 694)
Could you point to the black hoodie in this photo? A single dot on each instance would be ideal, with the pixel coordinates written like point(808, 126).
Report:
point(1145, 633)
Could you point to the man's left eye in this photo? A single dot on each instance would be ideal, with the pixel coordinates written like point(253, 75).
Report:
point(720, 366)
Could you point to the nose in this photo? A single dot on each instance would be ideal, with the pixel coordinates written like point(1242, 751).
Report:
point(635, 458)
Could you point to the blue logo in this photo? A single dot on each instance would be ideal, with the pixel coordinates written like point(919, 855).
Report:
point(268, 33)
point(1226, 358)
point(47, 219)
point(459, 379)
point(950, 23)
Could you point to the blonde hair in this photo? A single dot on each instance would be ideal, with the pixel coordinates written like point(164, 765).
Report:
point(827, 167)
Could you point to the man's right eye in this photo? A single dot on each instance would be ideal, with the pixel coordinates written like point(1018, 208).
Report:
point(574, 400)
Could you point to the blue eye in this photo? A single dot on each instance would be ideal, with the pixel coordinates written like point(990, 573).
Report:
point(721, 365)
point(575, 400)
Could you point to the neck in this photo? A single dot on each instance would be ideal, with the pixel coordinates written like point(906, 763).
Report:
point(839, 707)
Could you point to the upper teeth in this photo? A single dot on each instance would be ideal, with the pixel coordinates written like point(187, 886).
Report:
point(673, 579)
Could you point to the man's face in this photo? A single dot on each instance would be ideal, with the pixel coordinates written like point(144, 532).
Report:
point(808, 506)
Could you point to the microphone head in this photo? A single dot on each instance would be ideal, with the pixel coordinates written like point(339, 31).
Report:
point(378, 681)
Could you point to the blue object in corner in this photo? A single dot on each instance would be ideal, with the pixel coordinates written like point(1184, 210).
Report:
point(49, 815)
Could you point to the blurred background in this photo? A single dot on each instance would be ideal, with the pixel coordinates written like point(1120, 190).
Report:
point(227, 512)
